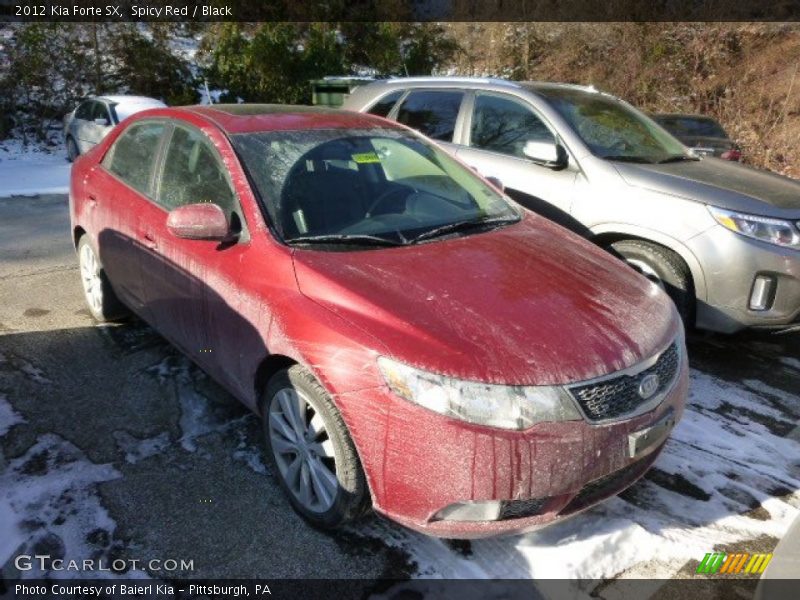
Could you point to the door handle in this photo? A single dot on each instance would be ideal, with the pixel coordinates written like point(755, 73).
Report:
point(92, 201)
point(149, 241)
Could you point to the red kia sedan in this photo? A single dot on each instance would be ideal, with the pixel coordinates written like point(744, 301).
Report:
point(411, 339)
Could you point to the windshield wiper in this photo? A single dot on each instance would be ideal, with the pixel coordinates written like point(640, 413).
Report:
point(464, 226)
point(626, 158)
point(343, 238)
point(678, 158)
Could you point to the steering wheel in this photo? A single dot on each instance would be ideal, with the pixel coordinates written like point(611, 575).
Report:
point(390, 193)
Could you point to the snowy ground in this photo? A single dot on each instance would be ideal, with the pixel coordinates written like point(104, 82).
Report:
point(113, 445)
point(33, 170)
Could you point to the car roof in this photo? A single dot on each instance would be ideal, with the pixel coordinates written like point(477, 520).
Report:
point(251, 118)
point(478, 81)
point(125, 99)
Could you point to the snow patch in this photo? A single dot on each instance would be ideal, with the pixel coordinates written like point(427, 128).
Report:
point(136, 449)
point(792, 363)
point(8, 416)
point(29, 171)
point(199, 416)
point(249, 455)
point(49, 505)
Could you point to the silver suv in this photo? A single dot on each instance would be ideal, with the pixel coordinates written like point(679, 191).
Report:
point(721, 238)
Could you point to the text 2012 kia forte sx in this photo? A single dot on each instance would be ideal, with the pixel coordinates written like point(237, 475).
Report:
point(411, 338)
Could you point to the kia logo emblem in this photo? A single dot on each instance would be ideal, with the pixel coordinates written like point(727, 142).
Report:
point(648, 385)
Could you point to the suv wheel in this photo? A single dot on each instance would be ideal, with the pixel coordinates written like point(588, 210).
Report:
point(310, 450)
point(664, 268)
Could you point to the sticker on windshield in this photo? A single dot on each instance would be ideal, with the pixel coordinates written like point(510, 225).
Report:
point(366, 157)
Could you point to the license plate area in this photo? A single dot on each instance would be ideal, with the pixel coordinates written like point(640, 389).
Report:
point(644, 441)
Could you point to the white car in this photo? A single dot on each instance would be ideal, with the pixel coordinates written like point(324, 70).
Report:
point(91, 121)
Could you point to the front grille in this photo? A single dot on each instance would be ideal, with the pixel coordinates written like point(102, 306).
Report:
point(519, 509)
point(611, 484)
point(618, 396)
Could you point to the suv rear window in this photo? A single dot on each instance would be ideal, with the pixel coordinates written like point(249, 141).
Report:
point(431, 112)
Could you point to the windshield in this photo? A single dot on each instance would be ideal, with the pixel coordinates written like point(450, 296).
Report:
point(365, 186)
point(612, 129)
point(691, 126)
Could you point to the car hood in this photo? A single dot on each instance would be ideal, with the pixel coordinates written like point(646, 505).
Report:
point(528, 304)
point(721, 183)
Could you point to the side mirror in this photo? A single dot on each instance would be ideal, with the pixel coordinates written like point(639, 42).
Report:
point(548, 154)
point(496, 183)
point(101, 121)
point(202, 221)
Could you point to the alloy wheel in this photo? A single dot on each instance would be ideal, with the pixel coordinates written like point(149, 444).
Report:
point(303, 450)
point(90, 277)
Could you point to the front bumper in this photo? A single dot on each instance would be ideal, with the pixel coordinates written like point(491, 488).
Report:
point(418, 462)
point(731, 263)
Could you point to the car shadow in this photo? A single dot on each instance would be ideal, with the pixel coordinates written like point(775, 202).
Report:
point(551, 212)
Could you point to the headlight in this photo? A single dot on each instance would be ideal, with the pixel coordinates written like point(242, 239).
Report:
point(774, 231)
point(503, 406)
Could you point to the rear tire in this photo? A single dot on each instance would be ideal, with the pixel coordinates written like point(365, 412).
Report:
point(72, 150)
point(310, 450)
point(97, 290)
point(664, 268)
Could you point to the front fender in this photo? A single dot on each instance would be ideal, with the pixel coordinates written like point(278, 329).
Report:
point(634, 231)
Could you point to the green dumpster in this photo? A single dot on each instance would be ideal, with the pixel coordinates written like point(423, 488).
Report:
point(332, 91)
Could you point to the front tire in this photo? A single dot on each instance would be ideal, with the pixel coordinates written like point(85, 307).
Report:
point(663, 267)
point(310, 450)
point(97, 291)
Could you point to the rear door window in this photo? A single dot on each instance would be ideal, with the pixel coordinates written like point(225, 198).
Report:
point(432, 112)
point(133, 155)
point(504, 125)
point(385, 105)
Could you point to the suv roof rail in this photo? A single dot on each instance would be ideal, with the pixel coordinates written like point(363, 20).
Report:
point(575, 86)
point(446, 79)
